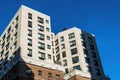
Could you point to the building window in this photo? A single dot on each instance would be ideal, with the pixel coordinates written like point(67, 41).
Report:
point(47, 29)
point(87, 60)
point(82, 36)
point(95, 62)
point(62, 46)
point(16, 26)
point(8, 37)
point(9, 29)
point(7, 46)
point(57, 77)
point(48, 37)
point(97, 71)
point(30, 42)
point(62, 39)
point(49, 75)
point(74, 51)
point(63, 54)
point(29, 24)
point(75, 59)
point(58, 57)
point(90, 40)
point(89, 69)
point(40, 20)
point(17, 18)
point(84, 44)
point(56, 42)
point(41, 56)
point(92, 47)
point(4, 37)
point(57, 49)
point(49, 56)
point(28, 71)
point(72, 35)
point(77, 67)
point(48, 47)
point(29, 16)
point(66, 70)
point(64, 62)
point(39, 73)
point(41, 36)
point(85, 52)
point(40, 28)
point(29, 52)
point(29, 32)
point(41, 45)
point(72, 43)
point(47, 21)
point(93, 54)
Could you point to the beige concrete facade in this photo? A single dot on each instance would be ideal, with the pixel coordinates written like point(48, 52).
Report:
point(81, 53)
point(28, 38)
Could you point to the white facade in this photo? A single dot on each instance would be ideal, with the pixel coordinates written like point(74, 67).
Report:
point(79, 52)
point(27, 38)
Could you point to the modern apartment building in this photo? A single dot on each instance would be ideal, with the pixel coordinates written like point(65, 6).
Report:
point(30, 51)
point(27, 47)
point(78, 53)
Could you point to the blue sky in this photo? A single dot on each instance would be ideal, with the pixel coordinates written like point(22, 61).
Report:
point(99, 17)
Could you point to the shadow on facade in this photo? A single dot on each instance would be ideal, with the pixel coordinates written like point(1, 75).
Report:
point(16, 69)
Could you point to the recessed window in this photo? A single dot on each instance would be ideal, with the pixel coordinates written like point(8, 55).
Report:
point(40, 28)
point(39, 73)
point(29, 24)
point(85, 52)
point(30, 42)
point(47, 21)
point(57, 49)
point(17, 18)
point(72, 43)
point(41, 45)
point(82, 36)
point(90, 40)
point(89, 69)
point(41, 36)
point(48, 37)
point(29, 32)
point(87, 60)
point(75, 59)
point(63, 54)
point(58, 57)
point(62, 46)
point(9, 29)
point(57, 77)
point(48, 47)
point(95, 62)
point(7, 46)
point(49, 56)
point(56, 42)
point(64, 62)
point(62, 39)
point(49, 75)
point(40, 20)
point(8, 37)
point(92, 47)
point(93, 54)
point(41, 56)
point(28, 71)
point(77, 67)
point(84, 44)
point(47, 29)
point(72, 35)
point(29, 16)
point(29, 52)
point(74, 51)
point(97, 71)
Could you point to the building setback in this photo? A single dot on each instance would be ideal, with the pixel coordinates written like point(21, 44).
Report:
point(30, 51)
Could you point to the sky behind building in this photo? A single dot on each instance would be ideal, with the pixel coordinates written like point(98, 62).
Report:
point(98, 17)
